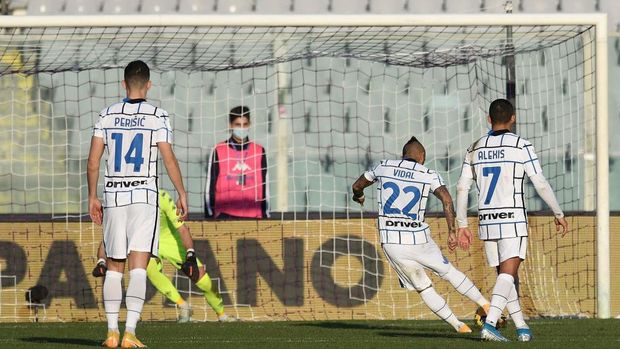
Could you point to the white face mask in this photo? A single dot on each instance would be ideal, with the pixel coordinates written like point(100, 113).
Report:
point(240, 132)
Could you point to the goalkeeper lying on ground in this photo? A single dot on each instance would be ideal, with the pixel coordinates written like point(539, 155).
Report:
point(176, 246)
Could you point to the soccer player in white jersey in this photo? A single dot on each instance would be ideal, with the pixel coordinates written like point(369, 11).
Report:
point(498, 163)
point(131, 133)
point(406, 239)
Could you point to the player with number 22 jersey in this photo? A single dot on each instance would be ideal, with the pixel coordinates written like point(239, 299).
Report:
point(403, 188)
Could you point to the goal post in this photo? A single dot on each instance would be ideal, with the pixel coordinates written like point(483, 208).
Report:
point(335, 93)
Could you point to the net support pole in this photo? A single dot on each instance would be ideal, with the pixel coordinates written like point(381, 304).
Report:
point(603, 283)
point(282, 130)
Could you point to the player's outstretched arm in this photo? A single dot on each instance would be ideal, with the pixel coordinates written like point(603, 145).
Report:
point(92, 176)
point(358, 189)
point(443, 195)
point(174, 172)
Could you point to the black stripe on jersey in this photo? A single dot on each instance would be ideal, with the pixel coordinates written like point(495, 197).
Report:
point(108, 176)
point(123, 108)
point(518, 139)
point(499, 208)
point(486, 142)
point(500, 231)
point(495, 147)
point(514, 183)
point(523, 199)
point(150, 154)
point(156, 221)
point(116, 199)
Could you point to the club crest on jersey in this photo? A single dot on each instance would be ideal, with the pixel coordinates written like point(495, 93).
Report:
point(125, 184)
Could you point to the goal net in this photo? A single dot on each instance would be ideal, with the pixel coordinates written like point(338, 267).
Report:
point(327, 102)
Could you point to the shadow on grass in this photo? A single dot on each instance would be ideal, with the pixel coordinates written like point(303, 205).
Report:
point(67, 341)
point(428, 335)
point(386, 330)
point(338, 325)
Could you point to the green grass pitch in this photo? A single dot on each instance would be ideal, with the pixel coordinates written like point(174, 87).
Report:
point(564, 334)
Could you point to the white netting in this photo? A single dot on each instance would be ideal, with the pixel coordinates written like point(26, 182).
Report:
point(345, 96)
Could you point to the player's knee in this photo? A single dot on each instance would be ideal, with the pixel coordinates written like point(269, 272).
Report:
point(420, 280)
point(452, 275)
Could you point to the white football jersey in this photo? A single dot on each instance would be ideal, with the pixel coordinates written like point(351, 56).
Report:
point(402, 192)
point(498, 164)
point(130, 131)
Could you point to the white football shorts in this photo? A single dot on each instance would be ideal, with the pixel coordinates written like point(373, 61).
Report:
point(409, 262)
point(500, 250)
point(128, 228)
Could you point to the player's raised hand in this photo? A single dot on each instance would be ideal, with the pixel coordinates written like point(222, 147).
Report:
point(182, 207)
point(96, 210)
point(464, 238)
point(561, 226)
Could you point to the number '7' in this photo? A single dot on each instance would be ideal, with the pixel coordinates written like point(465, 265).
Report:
point(494, 172)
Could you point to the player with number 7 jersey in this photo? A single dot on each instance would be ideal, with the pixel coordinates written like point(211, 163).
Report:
point(132, 133)
point(498, 163)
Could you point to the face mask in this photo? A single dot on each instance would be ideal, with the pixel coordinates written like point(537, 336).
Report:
point(240, 132)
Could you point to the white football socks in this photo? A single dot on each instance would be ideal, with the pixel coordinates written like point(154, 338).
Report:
point(464, 286)
point(514, 308)
point(503, 286)
point(440, 307)
point(112, 297)
point(134, 299)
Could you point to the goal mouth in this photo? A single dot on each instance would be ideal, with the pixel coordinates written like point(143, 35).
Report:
point(329, 96)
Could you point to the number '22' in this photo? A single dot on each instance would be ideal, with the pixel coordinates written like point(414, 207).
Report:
point(388, 209)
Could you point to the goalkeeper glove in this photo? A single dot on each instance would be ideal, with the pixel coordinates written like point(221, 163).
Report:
point(190, 267)
point(100, 269)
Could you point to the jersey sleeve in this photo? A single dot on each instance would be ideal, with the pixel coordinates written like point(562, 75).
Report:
point(98, 129)
point(530, 160)
point(163, 133)
point(466, 169)
point(371, 175)
point(462, 189)
point(169, 209)
point(436, 182)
